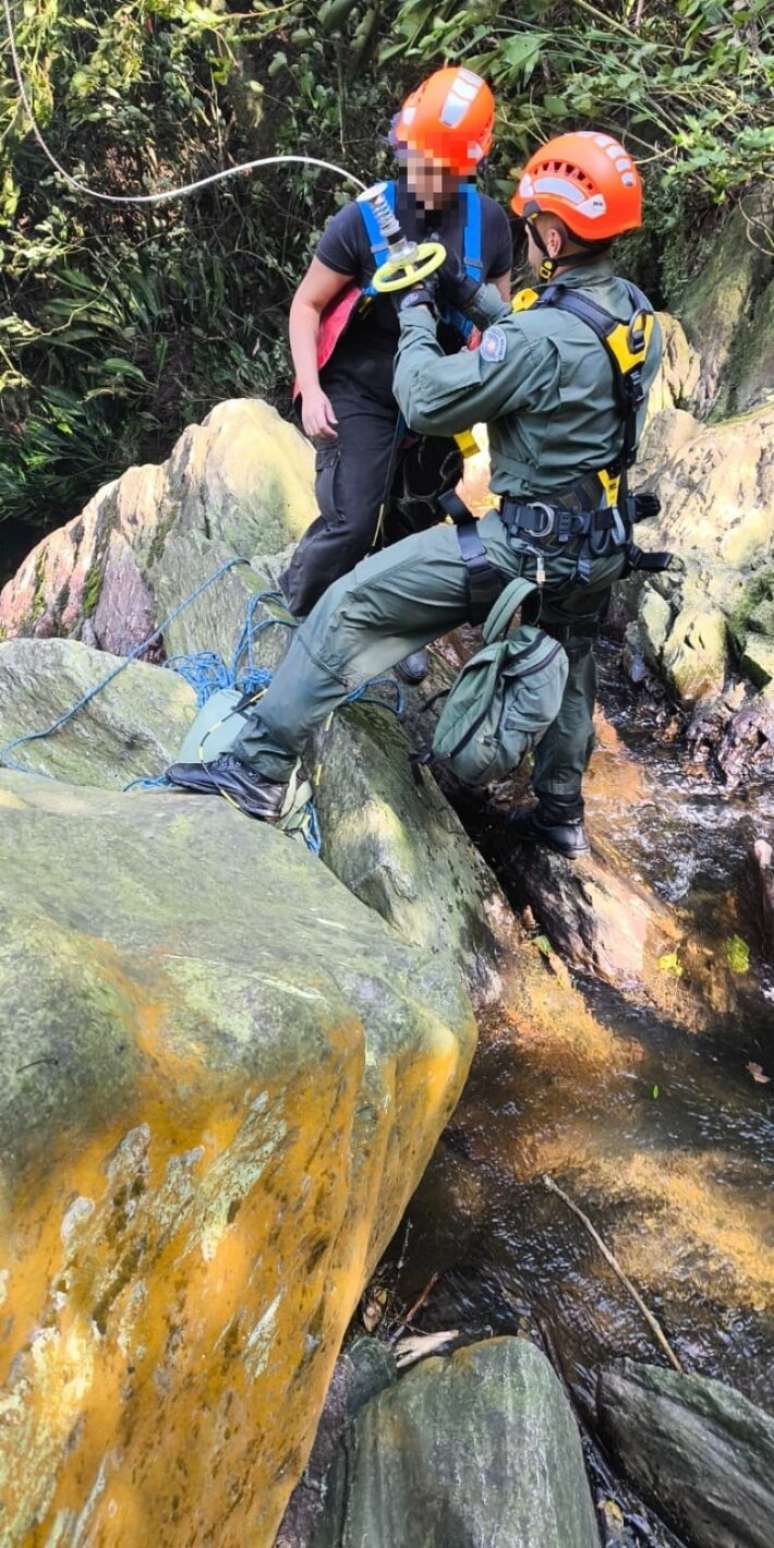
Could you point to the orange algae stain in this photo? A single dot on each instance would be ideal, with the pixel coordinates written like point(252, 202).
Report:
point(183, 1316)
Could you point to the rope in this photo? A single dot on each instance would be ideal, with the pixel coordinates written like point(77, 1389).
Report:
point(206, 672)
point(154, 198)
point(68, 715)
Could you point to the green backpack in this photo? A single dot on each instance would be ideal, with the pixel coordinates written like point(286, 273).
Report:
point(505, 697)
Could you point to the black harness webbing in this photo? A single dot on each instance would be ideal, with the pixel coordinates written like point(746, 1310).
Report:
point(485, 581)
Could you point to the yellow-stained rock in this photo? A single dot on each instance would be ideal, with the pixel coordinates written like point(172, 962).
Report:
point(678, 374)
point(222, 1078)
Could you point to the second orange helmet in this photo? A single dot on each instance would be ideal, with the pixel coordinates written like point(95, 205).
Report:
point(588, 179)
point(450, 118)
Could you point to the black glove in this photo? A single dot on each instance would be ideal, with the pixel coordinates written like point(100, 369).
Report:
point(454, 285)
point(423, 294)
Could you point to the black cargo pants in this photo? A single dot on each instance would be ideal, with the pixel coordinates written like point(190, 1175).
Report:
point(366, 467)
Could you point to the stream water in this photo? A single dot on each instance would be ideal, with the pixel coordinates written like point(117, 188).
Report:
point(666, 1140)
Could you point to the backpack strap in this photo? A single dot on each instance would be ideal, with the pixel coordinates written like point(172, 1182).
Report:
point(499, 617)
point(485, 581)
point(376, 241)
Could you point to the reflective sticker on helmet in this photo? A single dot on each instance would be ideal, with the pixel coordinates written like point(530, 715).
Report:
point(493, 345)
point(594, 207)
point(628, 179)
point(561, 186)
point(462, 92)
point(409, 114)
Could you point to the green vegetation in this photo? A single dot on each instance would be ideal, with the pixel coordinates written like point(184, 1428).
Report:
point(118, 325)
point(738, 954)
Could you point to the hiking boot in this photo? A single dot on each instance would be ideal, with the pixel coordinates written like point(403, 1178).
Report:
point(236, 781)
point(414, 668)
point(567, 837)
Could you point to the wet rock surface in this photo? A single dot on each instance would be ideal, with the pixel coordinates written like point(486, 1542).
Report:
point(132, 729)
point(696, 1449)
point(478, 1450)
point(365, 1368)
point(222, 1077)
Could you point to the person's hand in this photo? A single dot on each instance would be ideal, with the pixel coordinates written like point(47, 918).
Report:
point(317, 416)
point(422, 294)
point(454, 285)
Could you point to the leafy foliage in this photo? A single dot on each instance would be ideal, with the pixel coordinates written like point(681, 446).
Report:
point(120, 324)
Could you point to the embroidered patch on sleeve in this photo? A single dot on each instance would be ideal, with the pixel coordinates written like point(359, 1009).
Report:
point(493, 344)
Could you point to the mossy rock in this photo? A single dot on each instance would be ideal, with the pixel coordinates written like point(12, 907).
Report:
point(131, 729)
point(222, 1079)
point(479, 1450)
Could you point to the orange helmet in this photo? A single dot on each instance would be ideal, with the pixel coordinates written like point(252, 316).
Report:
point(589, 180)
point(449, 117)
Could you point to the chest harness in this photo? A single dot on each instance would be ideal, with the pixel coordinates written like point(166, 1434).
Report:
point(471, 248)
point(597, 511)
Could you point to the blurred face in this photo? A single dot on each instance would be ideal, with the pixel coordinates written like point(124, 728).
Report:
point(431, 183)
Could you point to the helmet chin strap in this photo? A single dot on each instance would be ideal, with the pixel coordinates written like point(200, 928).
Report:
point(549, 265)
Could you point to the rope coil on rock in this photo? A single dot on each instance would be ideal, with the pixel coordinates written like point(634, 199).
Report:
point(207, 673)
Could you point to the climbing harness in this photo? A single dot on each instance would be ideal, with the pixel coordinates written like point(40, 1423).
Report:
point(401, 263)
point(597, 511)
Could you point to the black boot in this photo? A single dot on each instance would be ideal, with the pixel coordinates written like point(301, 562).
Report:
point(236, 781)
point(414, 668)
point(556, 824)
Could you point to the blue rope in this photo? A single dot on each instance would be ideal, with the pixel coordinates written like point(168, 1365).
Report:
point(206, 673)
point(62, 720)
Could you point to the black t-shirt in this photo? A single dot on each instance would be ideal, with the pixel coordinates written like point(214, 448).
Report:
point(345, 248)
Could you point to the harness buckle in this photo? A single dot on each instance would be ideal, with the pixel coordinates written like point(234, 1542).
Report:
point(549, 517)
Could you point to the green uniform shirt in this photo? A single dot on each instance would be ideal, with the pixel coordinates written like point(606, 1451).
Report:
point(540, 380)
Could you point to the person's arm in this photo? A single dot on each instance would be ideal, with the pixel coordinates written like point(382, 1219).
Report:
point(318, 288)
point(442, 394)
point(503, 283)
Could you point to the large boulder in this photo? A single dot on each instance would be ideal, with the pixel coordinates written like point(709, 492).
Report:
point(698, 1451)
point(222, 1077)
point(726, 309)
point(479, 1450)
point(131, 729)
point(716, 485)
point(238, 484)
point(391, 836)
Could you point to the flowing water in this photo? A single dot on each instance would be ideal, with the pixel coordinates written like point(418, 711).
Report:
point(659, 1131)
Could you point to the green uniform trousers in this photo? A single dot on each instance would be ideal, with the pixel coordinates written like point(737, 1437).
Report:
point(405, 597)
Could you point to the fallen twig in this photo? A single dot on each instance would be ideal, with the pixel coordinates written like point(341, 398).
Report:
point(418, 1304)
point(616, 1267)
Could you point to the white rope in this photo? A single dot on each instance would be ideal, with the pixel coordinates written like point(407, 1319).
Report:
point(171, 193)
